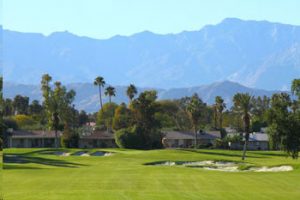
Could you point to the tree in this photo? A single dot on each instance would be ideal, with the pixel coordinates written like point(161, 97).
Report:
point(296, 87)
point(83, 118)
point(215, 113)
point(7, 107)
point(35, 108)
point(21, 104)
point(277, 117)
point(168, 114)
point(243, 105)
point(131, 92)
point(220, 106)
point(195, 109)
point(57, 104)
point(104, 116)
point(122, 117)
point(46, 90)
point(145, 125)
point(99, 81)
point(110, 91)
point(2, 126)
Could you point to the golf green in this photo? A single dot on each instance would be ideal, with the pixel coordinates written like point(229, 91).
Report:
point(46, 174)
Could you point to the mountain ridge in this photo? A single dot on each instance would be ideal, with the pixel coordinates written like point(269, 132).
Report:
point(242, 51)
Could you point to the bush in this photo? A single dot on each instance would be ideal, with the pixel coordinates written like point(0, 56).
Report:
point(128, 138)
point(221, 143)
point(137, 138)
point(24, 120)
point(10, 123)
point(69, 139)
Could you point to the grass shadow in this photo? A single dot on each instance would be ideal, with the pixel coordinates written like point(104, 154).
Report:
point(278, 154)
point(229, 154)
point(27, 159)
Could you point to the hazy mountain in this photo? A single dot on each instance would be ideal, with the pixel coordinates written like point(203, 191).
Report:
point(254, 53)
point(87, 94)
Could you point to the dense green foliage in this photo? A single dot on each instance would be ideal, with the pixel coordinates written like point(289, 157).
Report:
point(146, 117)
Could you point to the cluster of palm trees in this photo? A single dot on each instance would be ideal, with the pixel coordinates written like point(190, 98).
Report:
point(111, 91)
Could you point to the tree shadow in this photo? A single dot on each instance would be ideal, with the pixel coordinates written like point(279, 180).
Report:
point(278, 154)
point(229, 154)
point(28, 159)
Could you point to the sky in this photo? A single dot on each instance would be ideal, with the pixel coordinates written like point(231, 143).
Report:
point(105, 18)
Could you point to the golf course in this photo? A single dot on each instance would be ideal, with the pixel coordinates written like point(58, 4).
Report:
point(116, 174)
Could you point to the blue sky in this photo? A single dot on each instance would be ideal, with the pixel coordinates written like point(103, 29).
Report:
point(106, 18)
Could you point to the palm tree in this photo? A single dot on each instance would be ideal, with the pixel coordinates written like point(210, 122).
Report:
point(110, 91)
point(220, 106)
point(243, 104)
point(131, 92)
point(194, 109)
point(99, 81)
point(296, 88)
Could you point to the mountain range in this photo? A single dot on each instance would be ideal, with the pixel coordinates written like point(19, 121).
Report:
point(258, 54)
point(87, 97)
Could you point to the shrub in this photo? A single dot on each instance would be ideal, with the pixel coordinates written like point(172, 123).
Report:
point(10, 123)
point(24, 120)
point(128, 138)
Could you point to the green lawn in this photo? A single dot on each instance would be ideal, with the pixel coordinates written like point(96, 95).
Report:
point(123, 176)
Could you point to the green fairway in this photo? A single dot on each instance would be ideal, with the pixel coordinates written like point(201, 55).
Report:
point(37, 174)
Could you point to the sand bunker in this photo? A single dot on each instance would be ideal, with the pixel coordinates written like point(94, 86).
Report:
point(80, 153)
point(272, 169)
point(101, 153)
point(224, 166)
point(61, 153)
point(65, 154)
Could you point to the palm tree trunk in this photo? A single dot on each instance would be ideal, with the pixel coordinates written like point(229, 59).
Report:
point(195, 142)
point(56, 139)
point(245, 146)
point(100, 96)
point(221, 126)
point(247, 130)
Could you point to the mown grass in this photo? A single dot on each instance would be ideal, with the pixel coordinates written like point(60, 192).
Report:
point(37, 174)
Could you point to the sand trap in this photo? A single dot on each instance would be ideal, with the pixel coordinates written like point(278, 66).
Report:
point(224, 166)
point(59, 153)
point(80, 153)
point(85, 154)
point(65, 154)
point(272, 169)
point(101, 153)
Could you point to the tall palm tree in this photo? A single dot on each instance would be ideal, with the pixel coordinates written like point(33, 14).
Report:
point(243, 104)
point(131, 92)
point(110, 91)
point(195, 109)
point(220, 106)
point(99, 81)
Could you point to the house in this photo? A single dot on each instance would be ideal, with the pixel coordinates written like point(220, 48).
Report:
point(32, 139)
point(46, 139)
point(97, 139)
point(185, 139)
point(257, 141)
